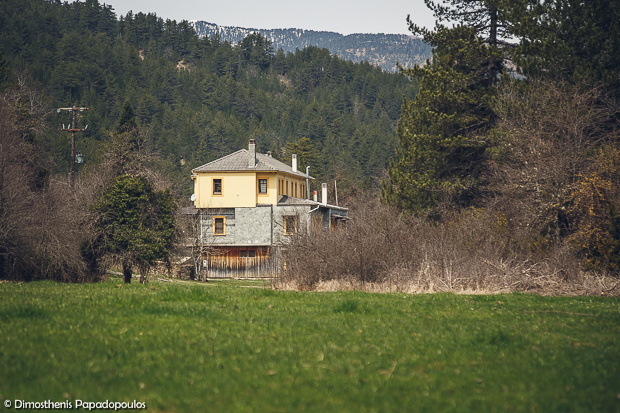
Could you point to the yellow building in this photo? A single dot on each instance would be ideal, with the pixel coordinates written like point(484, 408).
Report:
point(245, 179)
point(249, 206)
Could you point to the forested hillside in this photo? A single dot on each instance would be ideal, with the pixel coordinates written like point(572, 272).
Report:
point(383, 50)
point(197, 99)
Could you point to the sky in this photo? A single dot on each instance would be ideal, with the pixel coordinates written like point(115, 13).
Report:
point(340, 16)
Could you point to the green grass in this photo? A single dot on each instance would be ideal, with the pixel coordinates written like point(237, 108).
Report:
point(220, 347)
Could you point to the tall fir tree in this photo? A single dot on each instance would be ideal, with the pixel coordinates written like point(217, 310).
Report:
point(442, 132)
point(571, 40)
point(307, 155)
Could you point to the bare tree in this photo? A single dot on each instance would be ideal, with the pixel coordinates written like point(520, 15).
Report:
point(41, 224)
point(547, 132)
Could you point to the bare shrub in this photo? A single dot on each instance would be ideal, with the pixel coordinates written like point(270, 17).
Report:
point(41, 221)
point(470, 252)
point(60, 227)
point(547, 133)
point(359, 255)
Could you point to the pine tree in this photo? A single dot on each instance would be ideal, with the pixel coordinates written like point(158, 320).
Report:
point(490, 20)
point(441, 132)
point(572, 40)
point(307, 155)
point(127, 121)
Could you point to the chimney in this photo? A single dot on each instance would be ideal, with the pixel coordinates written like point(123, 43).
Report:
point(252, 152)
point(269, 154)
point(314, 197)
point(307, 182)
point(295, 162)
point(324, 193)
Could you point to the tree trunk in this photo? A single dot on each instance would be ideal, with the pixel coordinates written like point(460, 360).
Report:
point(144, 272)
point(127, 273)
point(494, 72)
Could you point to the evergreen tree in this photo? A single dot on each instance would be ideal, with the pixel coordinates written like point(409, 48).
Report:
point(127, 121)
point(490, 20)
point(441, 132)
point(307, 155)
point(257, 50)
point(135, 224)
point(572, 40)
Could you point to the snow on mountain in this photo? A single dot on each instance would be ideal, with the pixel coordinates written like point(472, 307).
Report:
point(384, 50)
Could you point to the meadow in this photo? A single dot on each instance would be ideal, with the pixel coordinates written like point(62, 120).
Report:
point(240, 347)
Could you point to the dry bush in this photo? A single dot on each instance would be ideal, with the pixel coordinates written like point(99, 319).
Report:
point(547, 133)
point(470, 253)
point(41, 222)
point(59, 228)
point(359, 255)
point(594, 212)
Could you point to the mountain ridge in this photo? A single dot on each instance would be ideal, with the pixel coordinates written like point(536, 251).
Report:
point(383, 50)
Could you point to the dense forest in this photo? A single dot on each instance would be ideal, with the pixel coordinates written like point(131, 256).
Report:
point(198, 99)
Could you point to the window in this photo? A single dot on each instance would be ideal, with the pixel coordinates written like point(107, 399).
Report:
point(296, 190)
point(219, 225)
point(217, 186)
point(316, 222)
point(243, 254)
point(262, 186)
point(286, 188)
point(290, 225)
point(251, 253)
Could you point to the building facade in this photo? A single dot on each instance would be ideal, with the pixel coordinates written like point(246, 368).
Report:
point(249, 206)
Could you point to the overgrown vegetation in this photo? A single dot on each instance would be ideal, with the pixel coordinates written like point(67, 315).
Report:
point(52, 230)
point(536, 157)
point(41, 219)
point(476, 250)
point(135, 225)
point(181, 347)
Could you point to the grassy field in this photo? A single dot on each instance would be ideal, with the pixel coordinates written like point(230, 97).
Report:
point(226, 348)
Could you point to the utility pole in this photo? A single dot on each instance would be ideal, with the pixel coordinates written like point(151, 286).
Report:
point(72, 128)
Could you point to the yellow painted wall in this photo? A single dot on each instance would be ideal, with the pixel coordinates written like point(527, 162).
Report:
point(238, 190)
point(289, 181)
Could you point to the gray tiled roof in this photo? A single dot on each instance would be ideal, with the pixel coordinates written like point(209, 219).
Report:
point(238, 161)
